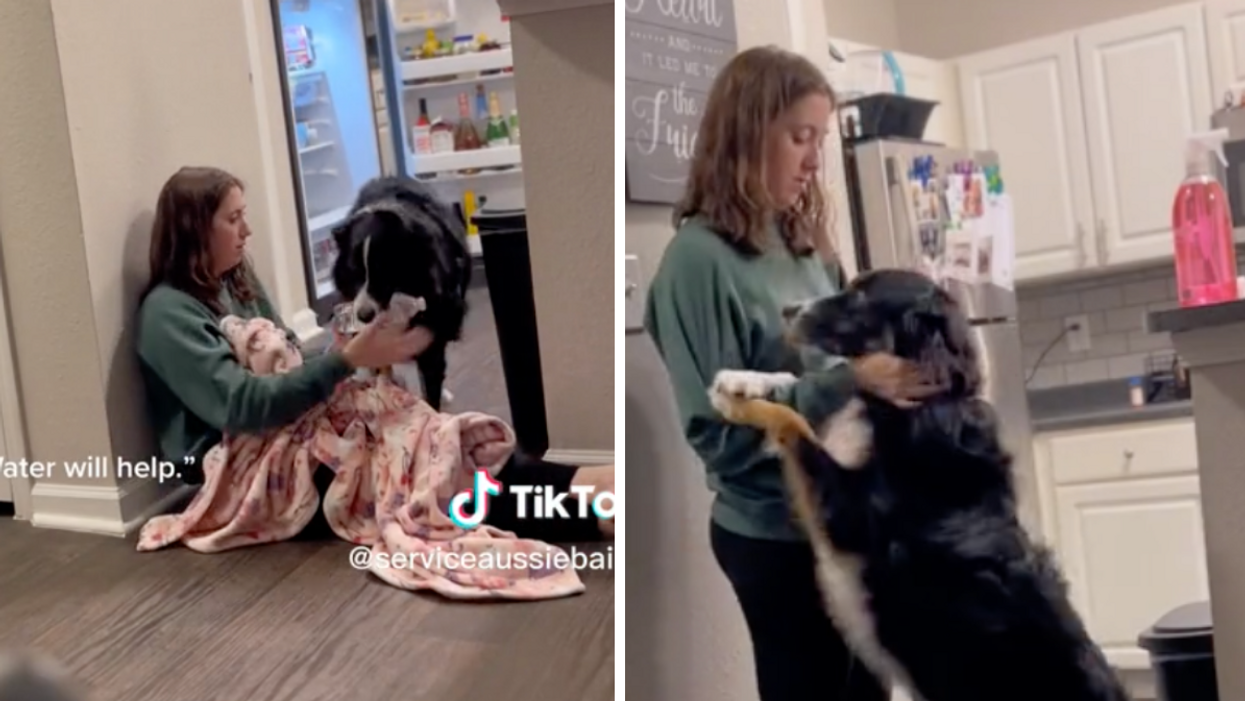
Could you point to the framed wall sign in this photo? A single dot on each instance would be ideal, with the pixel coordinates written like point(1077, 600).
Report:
point(674, 50)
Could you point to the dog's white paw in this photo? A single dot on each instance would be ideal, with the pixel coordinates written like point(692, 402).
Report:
point(847, 436)
point(730, 386)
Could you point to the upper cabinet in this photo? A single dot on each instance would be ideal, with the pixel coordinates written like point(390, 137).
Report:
point(1024, 102)
point(1146, 87)
point(1225, 22)
point(1090, 127)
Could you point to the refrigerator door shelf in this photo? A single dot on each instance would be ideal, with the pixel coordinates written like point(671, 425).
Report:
point(328, 220)
point(497, 60)
point(418, 16)
point(489, 157)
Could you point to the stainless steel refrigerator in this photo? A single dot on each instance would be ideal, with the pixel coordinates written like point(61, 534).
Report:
point(946, 212)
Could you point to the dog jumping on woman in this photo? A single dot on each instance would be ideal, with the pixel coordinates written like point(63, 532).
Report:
point(911, 511)
point(400, 238)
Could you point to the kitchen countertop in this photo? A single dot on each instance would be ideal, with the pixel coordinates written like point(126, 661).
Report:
point(1096, 404)
point(1177, 320)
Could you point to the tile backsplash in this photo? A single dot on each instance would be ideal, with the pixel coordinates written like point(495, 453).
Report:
point(1116, 305)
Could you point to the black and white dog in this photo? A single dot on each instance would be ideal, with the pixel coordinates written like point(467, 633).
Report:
point(921, 557)
point(400, 238)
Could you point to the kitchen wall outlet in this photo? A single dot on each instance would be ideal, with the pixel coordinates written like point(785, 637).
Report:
point(1077, 328)
point(635, 290)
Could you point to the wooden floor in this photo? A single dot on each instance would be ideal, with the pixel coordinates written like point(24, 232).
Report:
point(292, 621)
point(475, 375)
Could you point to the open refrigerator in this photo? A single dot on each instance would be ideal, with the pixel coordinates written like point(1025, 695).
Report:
point(372, 87)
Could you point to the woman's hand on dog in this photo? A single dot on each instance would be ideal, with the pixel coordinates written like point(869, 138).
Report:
point(380, 345)
point(894, 379)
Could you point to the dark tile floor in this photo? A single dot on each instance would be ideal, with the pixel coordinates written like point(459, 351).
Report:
point(292, 621)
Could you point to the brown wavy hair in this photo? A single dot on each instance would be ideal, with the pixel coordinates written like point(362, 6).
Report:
point(180, 254)
point(726, 184)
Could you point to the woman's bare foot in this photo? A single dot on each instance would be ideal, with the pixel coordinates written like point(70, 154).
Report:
point(601, 479)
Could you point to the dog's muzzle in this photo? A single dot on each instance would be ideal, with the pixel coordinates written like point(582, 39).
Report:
point(365, 310)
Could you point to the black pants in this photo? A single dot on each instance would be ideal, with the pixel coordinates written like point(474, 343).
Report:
point(798, 652)
point(520, 470)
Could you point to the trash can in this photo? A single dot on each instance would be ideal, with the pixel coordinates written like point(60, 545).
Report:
point(508, 269)
point(1182, 653)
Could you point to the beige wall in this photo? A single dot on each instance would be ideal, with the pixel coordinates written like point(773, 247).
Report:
point(951, 28)
point(872, 22)
point(41, 236)
point(134, 119)
point(564, 82)
point(99, 104)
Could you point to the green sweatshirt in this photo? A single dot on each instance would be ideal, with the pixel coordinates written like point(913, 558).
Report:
point(711, 308)
point(197, 389)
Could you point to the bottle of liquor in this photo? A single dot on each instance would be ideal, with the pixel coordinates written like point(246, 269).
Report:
point(442, 136)
point(421, 133)
point(497, 133)
point(466, 138)
point(481, 105)
point(514, 127)
point(423, 120)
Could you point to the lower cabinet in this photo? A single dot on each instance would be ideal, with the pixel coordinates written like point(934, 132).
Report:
point(1121, 507)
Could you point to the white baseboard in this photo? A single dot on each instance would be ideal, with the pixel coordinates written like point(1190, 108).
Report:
point(303, 323)
point(580, 457)
point(113, 510)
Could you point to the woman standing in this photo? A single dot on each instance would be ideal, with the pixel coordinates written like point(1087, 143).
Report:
point(751, 239)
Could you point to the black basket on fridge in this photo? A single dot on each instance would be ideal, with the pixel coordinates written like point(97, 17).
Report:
point(885, 116)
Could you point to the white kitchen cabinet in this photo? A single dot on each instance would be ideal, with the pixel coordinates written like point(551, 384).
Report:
point(1225, 37)
point(1122, 510)
point(1145, 83)
point(1024, 102)
point(1090, 127)
point(1131, 551)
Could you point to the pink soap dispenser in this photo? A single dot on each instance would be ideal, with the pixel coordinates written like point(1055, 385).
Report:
point(1205, 254)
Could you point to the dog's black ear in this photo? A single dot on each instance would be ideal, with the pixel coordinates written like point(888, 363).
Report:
point(946, 352)
point(341, 237)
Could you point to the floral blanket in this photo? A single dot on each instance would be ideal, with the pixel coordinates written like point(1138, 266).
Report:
point(398, 463)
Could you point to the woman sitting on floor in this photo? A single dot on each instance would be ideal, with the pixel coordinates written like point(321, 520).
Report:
point(197, 389)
